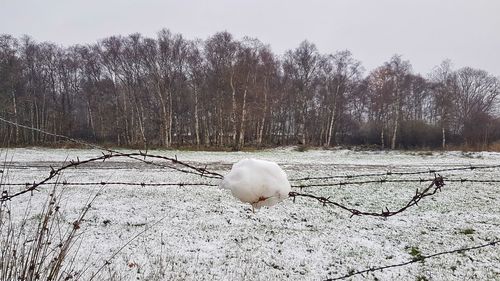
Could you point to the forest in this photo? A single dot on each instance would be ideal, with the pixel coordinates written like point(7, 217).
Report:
point(223, 92)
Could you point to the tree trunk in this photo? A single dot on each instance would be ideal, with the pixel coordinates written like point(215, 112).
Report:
point(443, 143)
point(330, 128)
point(394, 134)
point(233, 108)
point(196, 118)
point(263, 119)
point(332, 121)
point(126, 114)
point(44, 118)
point(304, 113)
point(90, 120)
point(36, 121)
point(396, 121)
point(382, 143)
point(164, 116)
point(241, 140)
point(220, 129)
point(140, 121)
point(117, 120)
point(443, 128)
point(170, 109)
point(207, 131)
point(16, 117)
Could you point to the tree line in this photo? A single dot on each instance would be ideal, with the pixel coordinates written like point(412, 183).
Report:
point(223, 92)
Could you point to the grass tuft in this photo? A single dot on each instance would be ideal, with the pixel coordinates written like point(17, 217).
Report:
point(38, 246)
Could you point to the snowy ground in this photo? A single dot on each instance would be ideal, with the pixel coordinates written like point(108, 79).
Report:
point(206, 234)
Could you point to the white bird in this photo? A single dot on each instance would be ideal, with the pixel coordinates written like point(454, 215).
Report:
point(258, 182)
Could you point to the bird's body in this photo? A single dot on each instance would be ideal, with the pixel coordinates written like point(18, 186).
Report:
point(258, 182)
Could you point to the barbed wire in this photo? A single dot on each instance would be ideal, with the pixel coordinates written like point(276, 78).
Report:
point(203, 172)
point(383, 180)
point(47, 165)
point(180, 184)
point(419, 258)
point(142, 184)
point(84, 143)
point(75, 163)
point(436, 184)
point(390, 173)
point(199, 171)
point(430, 190)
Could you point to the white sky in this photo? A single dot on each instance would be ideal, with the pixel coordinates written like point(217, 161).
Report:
point(423, 31)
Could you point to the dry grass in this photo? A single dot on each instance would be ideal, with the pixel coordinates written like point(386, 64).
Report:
point(494, 147)
point(42, 245)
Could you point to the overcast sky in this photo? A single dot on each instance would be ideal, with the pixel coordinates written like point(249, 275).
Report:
point(423, 31)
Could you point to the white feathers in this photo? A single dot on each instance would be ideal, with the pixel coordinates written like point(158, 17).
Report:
point(258, 182)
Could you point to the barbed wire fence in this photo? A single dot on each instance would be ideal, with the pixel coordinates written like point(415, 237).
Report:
point(436, 183)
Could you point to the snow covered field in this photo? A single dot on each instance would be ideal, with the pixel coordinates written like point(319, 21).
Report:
point(206, 234)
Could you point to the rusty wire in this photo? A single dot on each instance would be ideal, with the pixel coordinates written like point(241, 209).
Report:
point(180, 184)
point(75, 163)
point(142, 184)
point(414, 260)
point(384, 180)
point(435, 186)
point(390, 173)
point(141, 156)
point(51, 134)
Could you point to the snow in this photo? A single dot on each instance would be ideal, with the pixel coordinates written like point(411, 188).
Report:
point(205, 233)
point(258, 182)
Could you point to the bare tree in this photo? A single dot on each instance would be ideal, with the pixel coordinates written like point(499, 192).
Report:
point(10, 78)
point(196, 75)
point(477, 97)
point(444, 93)
point(301, 66)
point(219, 52)
point(340, 73)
